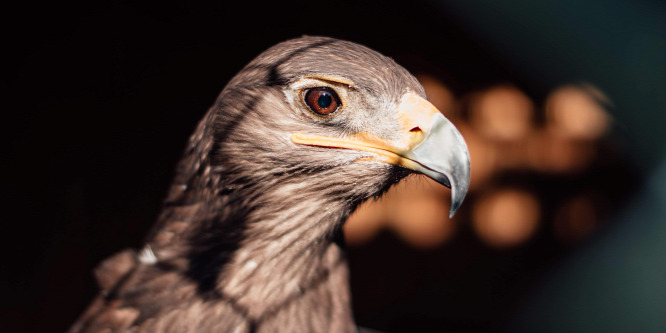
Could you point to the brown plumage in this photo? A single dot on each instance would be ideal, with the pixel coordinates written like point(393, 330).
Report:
point(250, 238)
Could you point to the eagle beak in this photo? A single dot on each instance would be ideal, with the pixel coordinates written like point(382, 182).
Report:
point(427, 143)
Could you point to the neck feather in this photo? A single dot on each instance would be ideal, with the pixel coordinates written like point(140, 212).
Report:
point(272, 250)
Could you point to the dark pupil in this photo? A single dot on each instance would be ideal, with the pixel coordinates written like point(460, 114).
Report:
point(322, 101)
point(325, 100)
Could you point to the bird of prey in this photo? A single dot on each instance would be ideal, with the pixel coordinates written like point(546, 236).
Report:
point(250, 235)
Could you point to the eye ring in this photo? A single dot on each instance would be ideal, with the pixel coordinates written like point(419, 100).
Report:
point(323, 101)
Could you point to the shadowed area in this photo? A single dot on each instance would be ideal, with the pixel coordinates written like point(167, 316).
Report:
point(102, 98)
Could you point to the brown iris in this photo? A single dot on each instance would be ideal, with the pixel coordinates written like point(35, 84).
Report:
point(322, 100)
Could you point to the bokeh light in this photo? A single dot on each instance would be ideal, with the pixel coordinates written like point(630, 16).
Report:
point(366, 221)
point(439, 95)
point(419, 213)
point(551, 153)
point(506, 217)
point(502, 113)
point(482, 154)
point(503, 135)
point(416, 209)
point(575, 112)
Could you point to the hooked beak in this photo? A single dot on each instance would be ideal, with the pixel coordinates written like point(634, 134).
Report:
point(428, 143)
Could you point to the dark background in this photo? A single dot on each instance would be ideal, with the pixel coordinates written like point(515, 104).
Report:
point(102, 97)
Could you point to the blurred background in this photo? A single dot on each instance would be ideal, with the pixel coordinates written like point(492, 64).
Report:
point(561, 103)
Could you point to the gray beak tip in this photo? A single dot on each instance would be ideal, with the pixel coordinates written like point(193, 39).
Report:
point(445, 158)
point(458, 194)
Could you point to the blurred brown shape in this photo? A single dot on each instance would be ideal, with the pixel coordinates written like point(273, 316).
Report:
point(483, 157)
point(551, 153)
point(419, 212)
point(512, 155)
point(502, 113)
point(416, 209)
point(506, 217)
point(576, 219)
point(439, 95)
point(575, 112)
point(501, 135)
point(366, 221)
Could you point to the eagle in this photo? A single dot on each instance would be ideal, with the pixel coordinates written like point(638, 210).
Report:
point(250, 235)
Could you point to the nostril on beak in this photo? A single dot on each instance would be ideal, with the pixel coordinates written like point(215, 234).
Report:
point(415, 136)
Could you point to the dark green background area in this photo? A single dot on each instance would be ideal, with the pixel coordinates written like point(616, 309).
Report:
point(619, 46)
point(100, 98)
point(615, 283)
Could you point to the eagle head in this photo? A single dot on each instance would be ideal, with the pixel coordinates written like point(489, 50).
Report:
point(329, 118)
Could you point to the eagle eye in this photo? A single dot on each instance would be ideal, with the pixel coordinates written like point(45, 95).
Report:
point(322, 100)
